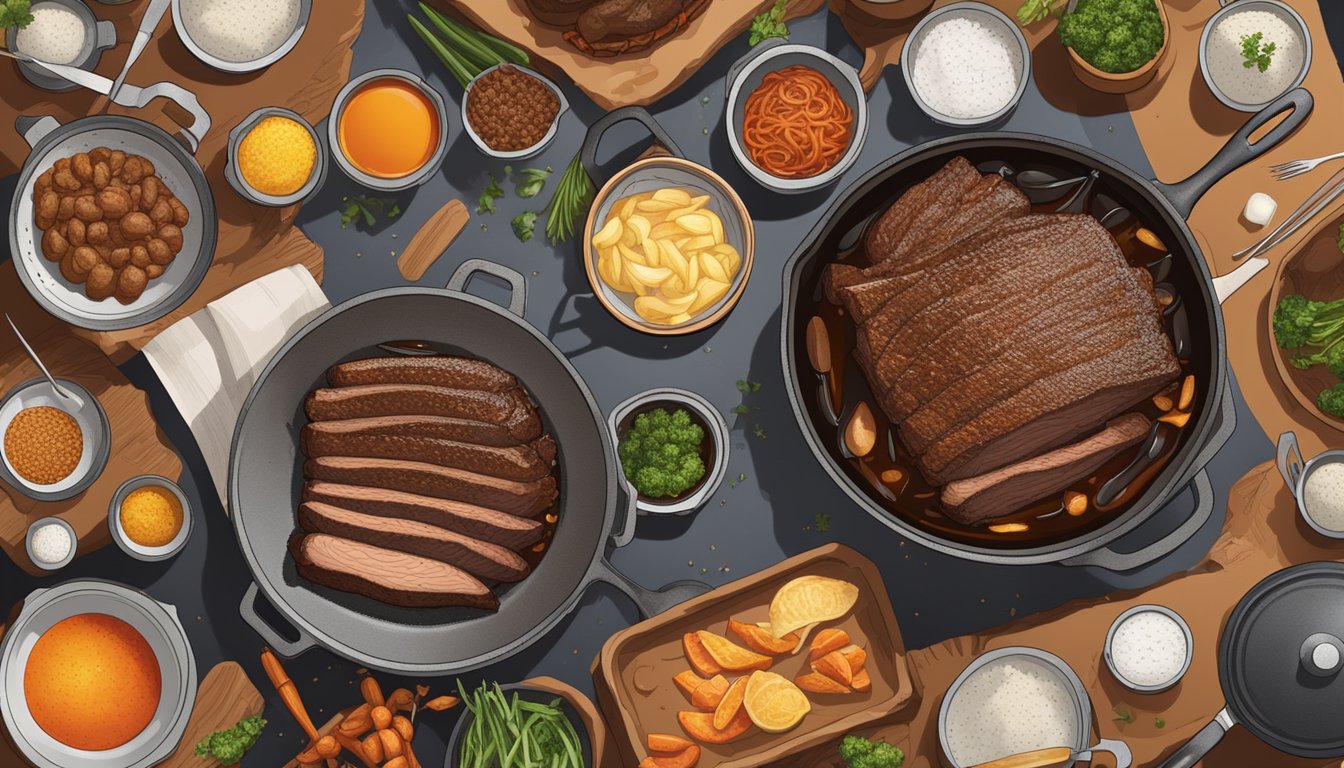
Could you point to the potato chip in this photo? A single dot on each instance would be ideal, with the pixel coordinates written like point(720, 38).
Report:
point(609, 235)
point(774, 703)
point(809, 600)
point(730, 655)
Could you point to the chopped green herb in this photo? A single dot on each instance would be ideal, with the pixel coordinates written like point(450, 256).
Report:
point(704, 99)
point(739, 409)
point(1114, 35)
point(745, 386)
point(660, 454)
point(366, 209)
point(486, 202)
point(1159, 722)
point(523, 224)
point(15, 13)
point(1032, 11)
point(1122, 715)
point(228, 746)
point(758, 431)
point(770, 24)
point(533, 180)
point(858, 752)
point(822, 522)
point(1255, 54)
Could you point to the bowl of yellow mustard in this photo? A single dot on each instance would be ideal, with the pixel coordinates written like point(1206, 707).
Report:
point(275, 158)
point(150, 518)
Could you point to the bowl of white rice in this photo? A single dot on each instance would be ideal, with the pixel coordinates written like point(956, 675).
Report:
point(61, 32)
point(240, 35)
point(1148, 648)
point(966, 64)
point(1224, 65)
point(1317, 484)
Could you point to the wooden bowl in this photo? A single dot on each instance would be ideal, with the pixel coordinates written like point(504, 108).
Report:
point(1123, 82)
point(1315, 269)
point(890, 10)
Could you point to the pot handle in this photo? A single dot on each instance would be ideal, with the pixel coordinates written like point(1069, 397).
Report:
point(650, 602)
point(286, 648)
point(517, 285)
point(1239, 149)
point(1111, 560)
point(106, 35)
point(1118, 749)
point(735, 71)
point(1195, 749)
point(34, 129)
point(1290, 460)
point(626, 533)
point(588, 152)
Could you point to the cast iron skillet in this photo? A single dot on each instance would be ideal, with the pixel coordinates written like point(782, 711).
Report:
point(1162, 208)
point(265, 482)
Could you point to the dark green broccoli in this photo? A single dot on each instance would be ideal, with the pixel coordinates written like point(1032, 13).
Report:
point(229, 746)
point(1114, 36)
point(660, 454)
point(1332, 357)
point(1299, 321)
point(858, 752)
point(1331, 401)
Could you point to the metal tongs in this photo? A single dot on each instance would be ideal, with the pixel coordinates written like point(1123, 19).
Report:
point(132, 96)
point(1319, 200)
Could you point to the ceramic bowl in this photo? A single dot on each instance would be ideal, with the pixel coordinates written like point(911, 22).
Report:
point(93, 426)
point(1295, 472)
point(985, 14)
point(1136, 610)
point(140, 551)
point(520, 153)
point(413, 179)
point(713, 450)
point(239, 183)
point(43, 523)
point(252, 65)
point(1284, 12)
point(98, 37)
point(1121, 82)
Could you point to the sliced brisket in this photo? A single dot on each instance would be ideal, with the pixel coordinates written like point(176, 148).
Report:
point(435, 370)
point(433, 427)
point(472, 520)
point(526, 498)
point(386, 575)
point(531, 461)
point(511, 409)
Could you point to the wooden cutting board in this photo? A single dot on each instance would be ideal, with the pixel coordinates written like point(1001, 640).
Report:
point(253, 240)
point(223, 698)
point(634, 78)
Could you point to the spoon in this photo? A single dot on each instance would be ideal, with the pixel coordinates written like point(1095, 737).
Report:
point(1039, 758)
point(409, 348)
point(60, 390)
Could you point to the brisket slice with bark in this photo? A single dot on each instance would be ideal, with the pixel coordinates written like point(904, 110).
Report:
point(385, 575)
point(432, 427)
point(510, 409)
point(526, 498)
point(435, 370)
point(471, 520)
point(531, 461)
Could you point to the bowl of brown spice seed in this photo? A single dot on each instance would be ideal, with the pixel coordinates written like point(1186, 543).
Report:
point(511, 112)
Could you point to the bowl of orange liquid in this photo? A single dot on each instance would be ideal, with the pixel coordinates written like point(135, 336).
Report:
point(388, 130)
point(96, 675)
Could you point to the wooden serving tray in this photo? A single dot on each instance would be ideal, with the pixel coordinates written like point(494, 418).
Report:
point(649, 654)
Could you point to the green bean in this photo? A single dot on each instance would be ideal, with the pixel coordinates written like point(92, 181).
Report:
point(456, 67)
point(475, 53)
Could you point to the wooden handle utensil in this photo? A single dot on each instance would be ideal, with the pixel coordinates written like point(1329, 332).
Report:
point(432, 240)
point(1039, 758)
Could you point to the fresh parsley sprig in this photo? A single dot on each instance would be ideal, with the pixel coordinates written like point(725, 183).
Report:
point(770, 24)
point(1255, 54)
point(15, 13)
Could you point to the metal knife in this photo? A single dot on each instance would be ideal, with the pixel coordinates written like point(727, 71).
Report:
point(153, 15)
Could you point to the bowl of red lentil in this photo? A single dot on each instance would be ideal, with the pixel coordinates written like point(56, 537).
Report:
point(53, 447)
point(150, 518)
point(511, 112)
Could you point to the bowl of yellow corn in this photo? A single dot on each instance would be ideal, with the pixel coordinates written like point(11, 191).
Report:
point(275, 158)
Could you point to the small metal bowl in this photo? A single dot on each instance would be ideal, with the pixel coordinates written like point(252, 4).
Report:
point(98, 37)
point(525, 693)
point(1295, 472)
point(239, 183)
point(224, 65)
point(745, 76)
point(93, 426)
point(1189, 648)
point(714, 451)
point(520, 153)
point(1284, 12)
point(139, 551)
point(43, 523)
point(413, 179)
point(981, 12)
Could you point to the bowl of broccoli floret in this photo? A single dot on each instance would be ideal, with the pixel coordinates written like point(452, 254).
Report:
point(1306, 323)
point(1114, 46)
point(673, 448)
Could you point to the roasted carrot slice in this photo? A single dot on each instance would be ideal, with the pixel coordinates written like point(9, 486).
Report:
point(730, 655)
point(710, 693)
point(835, 666)
point(761, 641)
point(700, 726)
point(730, 703)
point(667, 743)
point(827, 640)
point(856, 657)
point(687, 758)
point(861, 680)
point(687, 682)
point(698, 657)
point(815, 682)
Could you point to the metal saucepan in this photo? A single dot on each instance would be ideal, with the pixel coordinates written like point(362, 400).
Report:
point(174, 164)
point(1161, 208)
point(1281, 666)
point(1295, 472)
point(1044, 666)
point(266, 479)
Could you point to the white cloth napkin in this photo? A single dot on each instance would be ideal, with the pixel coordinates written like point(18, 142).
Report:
point(209, 360)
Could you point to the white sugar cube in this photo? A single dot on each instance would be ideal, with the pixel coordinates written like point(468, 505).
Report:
point(1260, 209)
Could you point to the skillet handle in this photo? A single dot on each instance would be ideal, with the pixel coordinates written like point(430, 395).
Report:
point(471, 267)
point(1239, 150)
point(650, 602)
point(588, 152)
point(1290, 460)
point(1195, 749)
point(286, 648)
point(33, 129)
point(1112, 560)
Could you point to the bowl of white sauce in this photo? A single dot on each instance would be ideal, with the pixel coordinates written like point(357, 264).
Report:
point(1015, 700)
point(966, 64)
point(1318, 485)
point(240, 35)
point(1148, 648)
point(51, 543)
point(1249, 82)
point(61, 32)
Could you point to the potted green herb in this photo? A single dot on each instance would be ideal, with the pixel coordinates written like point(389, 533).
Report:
point(1115, 46)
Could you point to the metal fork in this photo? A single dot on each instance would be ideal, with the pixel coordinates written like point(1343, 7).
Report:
point(1298, 167)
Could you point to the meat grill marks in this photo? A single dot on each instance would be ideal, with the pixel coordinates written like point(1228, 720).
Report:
point(433, 466)
point(991, 337)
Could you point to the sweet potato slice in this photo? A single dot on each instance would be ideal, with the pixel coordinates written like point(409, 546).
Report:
point(698, 656)
point(835, 666)
point(686, 758)
point(827, 640)
point(856, 657)
point(687, 682)
point(730, 655)
point(700, 726)
point(730, 703)
point(710, 693)
point(862, 681)
point(815, 682)
point(667, 743)
point(761, 641)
